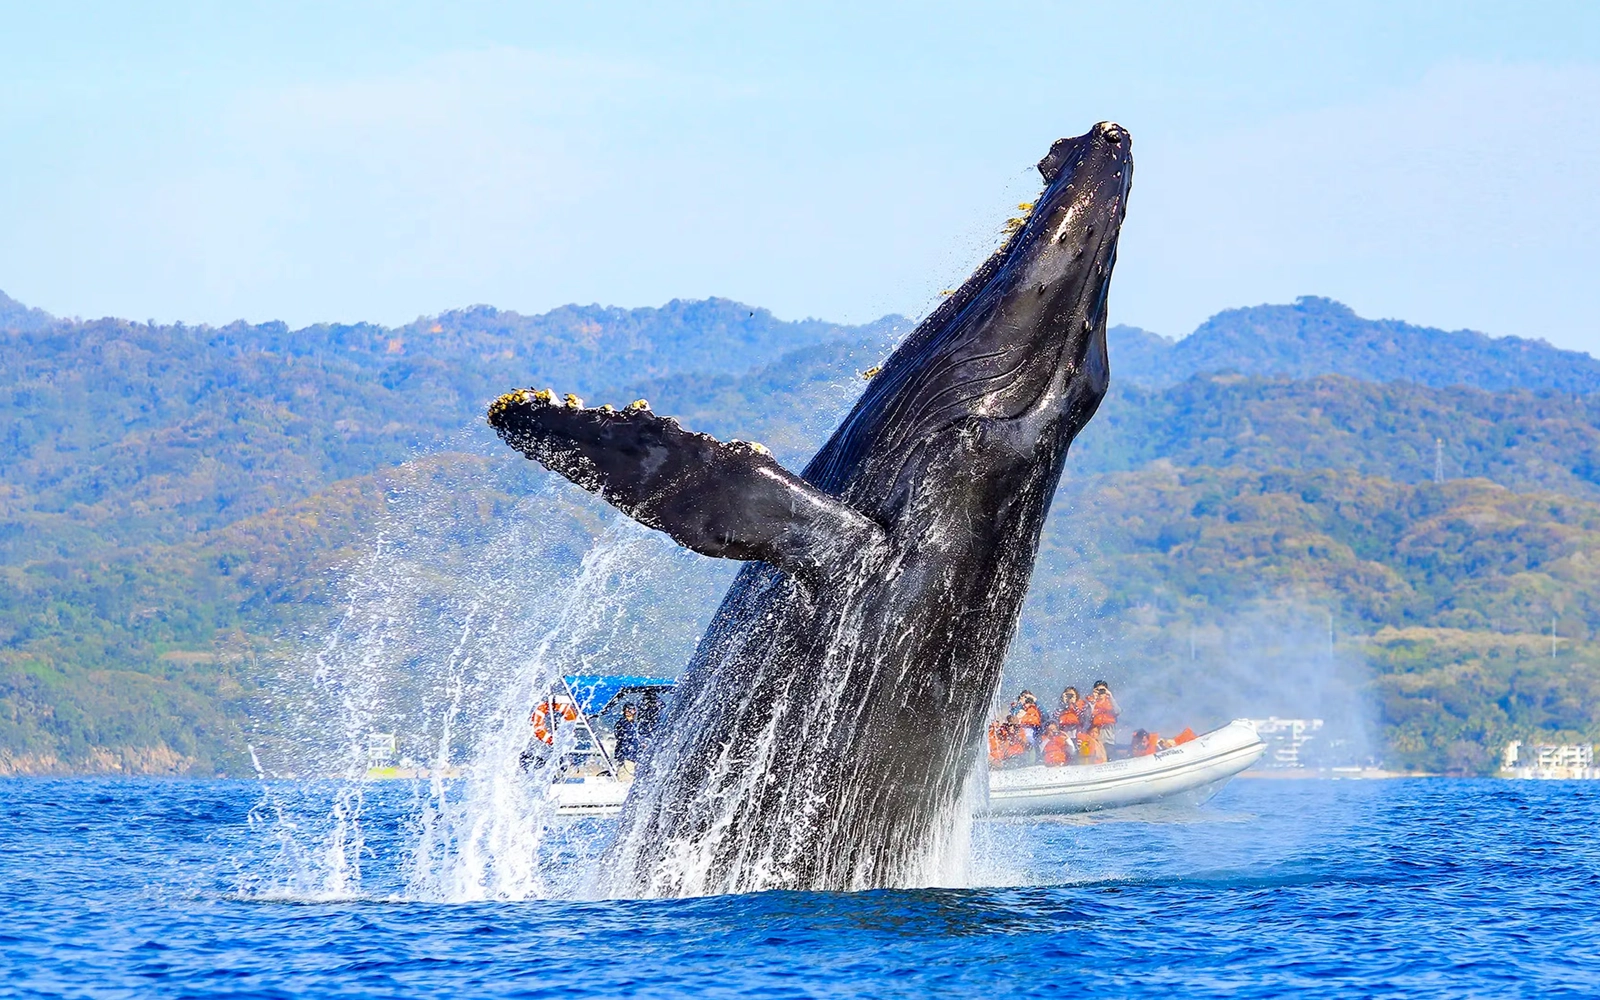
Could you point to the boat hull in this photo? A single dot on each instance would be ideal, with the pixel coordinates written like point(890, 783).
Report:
point(1189, 773)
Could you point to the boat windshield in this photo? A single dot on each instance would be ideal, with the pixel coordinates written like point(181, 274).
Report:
point(600, 700)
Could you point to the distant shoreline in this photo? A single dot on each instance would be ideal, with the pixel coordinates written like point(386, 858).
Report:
point(1338, 774)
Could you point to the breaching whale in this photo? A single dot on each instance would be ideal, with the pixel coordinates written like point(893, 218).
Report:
point(824, 731)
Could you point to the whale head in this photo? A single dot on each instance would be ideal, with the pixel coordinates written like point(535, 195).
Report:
point(1021, 345)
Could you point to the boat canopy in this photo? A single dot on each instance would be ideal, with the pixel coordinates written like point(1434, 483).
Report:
point(594, 693)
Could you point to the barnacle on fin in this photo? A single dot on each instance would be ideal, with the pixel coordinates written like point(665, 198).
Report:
point(870, 372)
point(507, 400)
point(1014, 225)
point(607, 408)
point(639, 404)
point(545, 396)
point(573, 401)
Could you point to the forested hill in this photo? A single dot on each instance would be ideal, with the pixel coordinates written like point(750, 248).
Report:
point(174, 499)
point(16, 316)
point(1317, 336)
point(119, 431)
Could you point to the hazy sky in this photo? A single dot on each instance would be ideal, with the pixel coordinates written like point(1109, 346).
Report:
point(207, 162)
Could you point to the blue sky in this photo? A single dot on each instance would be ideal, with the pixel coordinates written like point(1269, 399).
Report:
point(206, 162)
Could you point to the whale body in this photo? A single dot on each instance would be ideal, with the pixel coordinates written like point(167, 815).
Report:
point(824, 732)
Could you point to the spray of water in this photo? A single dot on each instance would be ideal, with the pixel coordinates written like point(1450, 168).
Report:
point(464, 611)
point(494, 834)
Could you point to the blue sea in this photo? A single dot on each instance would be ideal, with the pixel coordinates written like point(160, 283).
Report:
point(1406, 888)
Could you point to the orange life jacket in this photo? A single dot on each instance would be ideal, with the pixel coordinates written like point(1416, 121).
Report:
point(1004, 743)
point(1090, 749)
point(1105, 713)
point(1149, 746)
point(542, 729)
point(1071, 716)
point(1055, 750)
point(1184, 737)
point(1031, 716)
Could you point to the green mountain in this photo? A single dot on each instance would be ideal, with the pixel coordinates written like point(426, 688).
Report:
point(186, 509)
point(1525, 439)
point(1317, 336)
point(120, 431)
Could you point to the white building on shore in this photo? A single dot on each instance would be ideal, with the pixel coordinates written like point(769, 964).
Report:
point(1565, 760)
point(1285, 738)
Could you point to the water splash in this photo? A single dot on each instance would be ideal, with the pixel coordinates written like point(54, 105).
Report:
point(493, 833)
point(469, 603)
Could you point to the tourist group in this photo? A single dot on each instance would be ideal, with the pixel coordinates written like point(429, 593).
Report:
point(1081, 731)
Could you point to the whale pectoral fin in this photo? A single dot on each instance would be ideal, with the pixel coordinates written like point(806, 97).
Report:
point(727, 499)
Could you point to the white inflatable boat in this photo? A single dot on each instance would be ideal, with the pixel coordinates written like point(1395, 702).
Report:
point(1189, 773)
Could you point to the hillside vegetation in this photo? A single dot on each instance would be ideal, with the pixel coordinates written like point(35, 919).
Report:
point(183, 505)
point(1317, 336)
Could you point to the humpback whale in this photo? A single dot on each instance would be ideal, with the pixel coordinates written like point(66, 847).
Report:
point(825, 729)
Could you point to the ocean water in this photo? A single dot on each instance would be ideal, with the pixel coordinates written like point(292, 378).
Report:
point(1413, 888)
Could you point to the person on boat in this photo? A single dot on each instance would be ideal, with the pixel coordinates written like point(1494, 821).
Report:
point(1074, 714)
point(1027, 737)
point(1145, 743)
point(1091, 747)
point(626, 732)
point(1006, 742)
point(1025, 710)
point(1028, 716)
point(1178, 740)
point(1103, 711)
point(649, 716)
point(1057, 747)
